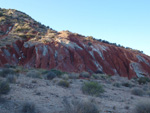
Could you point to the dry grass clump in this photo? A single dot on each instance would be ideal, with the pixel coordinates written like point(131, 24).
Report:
point(80, 107)
point(73, 75)
point(137, 92)
point(85, 74)
point(33, 74)
point(143, 107)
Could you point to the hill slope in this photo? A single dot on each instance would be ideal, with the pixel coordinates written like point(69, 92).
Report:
point(23, 41)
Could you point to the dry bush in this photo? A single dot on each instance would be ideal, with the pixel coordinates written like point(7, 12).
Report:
point(11, 78)
point(28, 108)
point(85, 74)
point(137, 92)
point(73, 75)
point(34, 74)
point(80, 107)
point(143, 107)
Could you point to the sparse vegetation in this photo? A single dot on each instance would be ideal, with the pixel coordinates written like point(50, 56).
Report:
point(63, 83)
point(28, 108)
point(127, 84)
point(92, 88)
point(137, 92)
point(7, 71)
point(73, 75)
point(80, 107)
point(4, 87)
point(85, 74)
point(57, 72)
point(143, 80)
point(143, 107)
point(117, 84)
point(96, 76)
point(34, 74)
point(1, 14)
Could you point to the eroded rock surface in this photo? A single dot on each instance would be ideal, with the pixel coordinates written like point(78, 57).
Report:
point(68, 52)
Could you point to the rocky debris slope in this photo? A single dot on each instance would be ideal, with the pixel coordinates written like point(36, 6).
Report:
point(29, 43)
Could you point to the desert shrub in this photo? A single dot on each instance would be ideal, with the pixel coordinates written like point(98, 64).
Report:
point(73, 75)
point(65, 76)
point(50, 75)
point(34, 74)
point(137, 92)
point(11, 78)
point(89, 43)
point(4, 87)
point(85, 74)
point(143, 107)
point(63, 83)
point(117, 84)
point(1, 14)
point(104, 76)
point(143, 80)
point(92, 88)
point(80, 107)
point(7, 71)
point(57, 72)
point(96, 76)
point(127, 84)
point(28, 108)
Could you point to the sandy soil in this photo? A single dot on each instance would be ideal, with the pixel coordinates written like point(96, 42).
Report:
point(48, 96)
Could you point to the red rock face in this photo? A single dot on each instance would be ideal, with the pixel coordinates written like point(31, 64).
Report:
point(72, 53)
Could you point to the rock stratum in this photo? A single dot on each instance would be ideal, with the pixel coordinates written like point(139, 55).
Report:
point(23, 41)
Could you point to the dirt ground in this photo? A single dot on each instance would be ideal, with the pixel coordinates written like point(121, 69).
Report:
point(48, 96)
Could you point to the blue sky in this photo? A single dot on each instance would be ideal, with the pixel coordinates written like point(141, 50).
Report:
point(125, 22)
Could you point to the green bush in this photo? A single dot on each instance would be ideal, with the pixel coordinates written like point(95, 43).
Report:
point(63, 83)
point(50, 75)
point(28, 108)
point(4, 87)
point(6, 71)
point(80, 107)
point(143, 80)
point(1, 14)
point(57, 72)
point(137, 92)
point(143, 107)
point(92, 88)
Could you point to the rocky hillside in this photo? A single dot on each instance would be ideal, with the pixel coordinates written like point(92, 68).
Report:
point(23, 41)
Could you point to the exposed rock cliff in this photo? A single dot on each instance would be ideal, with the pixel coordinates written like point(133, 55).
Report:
point(23, 41)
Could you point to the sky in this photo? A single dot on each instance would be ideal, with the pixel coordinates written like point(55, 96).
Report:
point(125, 22)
